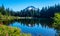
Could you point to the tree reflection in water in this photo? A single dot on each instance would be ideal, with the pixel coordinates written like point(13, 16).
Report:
point(45, 22)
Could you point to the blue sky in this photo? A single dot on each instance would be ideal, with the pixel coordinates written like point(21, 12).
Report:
point(18, 5)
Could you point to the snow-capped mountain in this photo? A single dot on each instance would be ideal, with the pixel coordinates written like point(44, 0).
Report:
point(31, 8)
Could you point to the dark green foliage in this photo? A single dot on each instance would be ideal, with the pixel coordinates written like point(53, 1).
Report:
point(57, 20)
point(45, 12)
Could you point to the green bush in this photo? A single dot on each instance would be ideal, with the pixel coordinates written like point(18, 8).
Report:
point(57, 20)
point(8, 31)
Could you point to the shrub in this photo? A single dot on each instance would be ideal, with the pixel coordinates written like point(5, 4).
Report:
point(8, 31)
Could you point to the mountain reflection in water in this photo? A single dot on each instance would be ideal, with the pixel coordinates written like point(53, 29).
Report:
point(36, 27)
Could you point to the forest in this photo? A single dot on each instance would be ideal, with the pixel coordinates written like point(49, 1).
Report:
point(45, 12)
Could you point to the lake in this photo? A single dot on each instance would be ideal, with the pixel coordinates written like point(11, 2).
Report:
point(36, 27)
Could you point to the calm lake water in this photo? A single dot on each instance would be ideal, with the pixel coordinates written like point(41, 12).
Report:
point(36, 27)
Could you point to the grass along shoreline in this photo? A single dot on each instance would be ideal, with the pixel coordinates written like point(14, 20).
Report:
point(7, 30)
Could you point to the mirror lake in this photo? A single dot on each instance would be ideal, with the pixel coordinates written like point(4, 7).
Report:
point(36, 27)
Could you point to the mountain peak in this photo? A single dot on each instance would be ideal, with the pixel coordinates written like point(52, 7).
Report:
point(31, 8)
